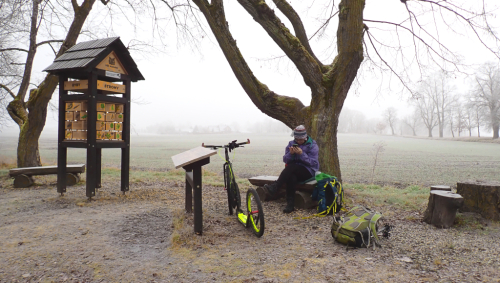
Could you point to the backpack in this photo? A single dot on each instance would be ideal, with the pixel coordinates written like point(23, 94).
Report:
point(328, 193)
point(358, 228)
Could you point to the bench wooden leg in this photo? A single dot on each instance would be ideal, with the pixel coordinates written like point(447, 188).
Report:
point(303, 200)
point(72, 179)
point(22, 181)
point(262, 192)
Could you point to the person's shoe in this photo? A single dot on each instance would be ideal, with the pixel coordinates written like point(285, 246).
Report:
point(272, 188)
point(290, 203)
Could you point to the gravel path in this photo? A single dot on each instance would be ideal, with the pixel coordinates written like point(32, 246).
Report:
point(145, 236)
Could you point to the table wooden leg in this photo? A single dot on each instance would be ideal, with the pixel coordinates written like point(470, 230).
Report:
point(198, 215)
point(189, 196)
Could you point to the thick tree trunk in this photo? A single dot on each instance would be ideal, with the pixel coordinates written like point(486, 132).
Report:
point(27, 149)
point(430, 132)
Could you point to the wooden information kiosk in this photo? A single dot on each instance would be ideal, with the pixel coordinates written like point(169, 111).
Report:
point(192, 161)
point(94, 106)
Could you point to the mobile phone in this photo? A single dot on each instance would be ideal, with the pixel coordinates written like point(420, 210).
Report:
point(295, 145)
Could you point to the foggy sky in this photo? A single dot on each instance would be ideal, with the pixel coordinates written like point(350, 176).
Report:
point(187, 88)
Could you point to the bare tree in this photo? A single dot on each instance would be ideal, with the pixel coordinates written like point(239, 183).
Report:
point(413, 121)
point(436, 87)
point(487, 94)
point(468, 118)
point(380, 128)
point(391, 117)
point(478, 116)
point(427, 110)
point(357, 38)
point(457, 118)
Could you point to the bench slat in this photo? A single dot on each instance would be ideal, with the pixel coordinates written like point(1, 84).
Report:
point(46, 170)
point(260, 181)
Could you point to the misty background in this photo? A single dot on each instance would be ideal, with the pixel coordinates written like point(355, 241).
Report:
point(190, 88)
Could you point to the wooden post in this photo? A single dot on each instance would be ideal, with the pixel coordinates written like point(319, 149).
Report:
point(442, 208)
point(188, 203)
point(62, 151)
point(98, 167)
point(125, 174)
point(91, 136)
point(198, 203)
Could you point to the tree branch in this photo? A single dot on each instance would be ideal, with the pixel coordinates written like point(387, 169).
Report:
point(306, 64)
point(283, 108)
point(467, 20)
point(14, 49)
point(297, 24)
point(75, 6)
point(420, 39)
point(8, 90)
point(324, 24)
point(388, 65)
point(49, 41)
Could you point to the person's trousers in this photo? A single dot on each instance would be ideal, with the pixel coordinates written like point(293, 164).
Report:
point(291, 176)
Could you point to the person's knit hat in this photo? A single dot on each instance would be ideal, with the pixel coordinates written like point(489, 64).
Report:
point(300, 132)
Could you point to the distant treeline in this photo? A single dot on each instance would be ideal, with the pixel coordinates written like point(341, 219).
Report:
point(268, 125)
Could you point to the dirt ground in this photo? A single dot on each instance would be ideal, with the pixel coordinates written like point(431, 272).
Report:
point(145, 236)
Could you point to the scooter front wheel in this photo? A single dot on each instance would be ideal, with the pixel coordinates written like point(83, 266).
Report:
point(255, 213)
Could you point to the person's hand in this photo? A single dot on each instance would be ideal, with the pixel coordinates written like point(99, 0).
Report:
point(293, 150)
point(298, 150)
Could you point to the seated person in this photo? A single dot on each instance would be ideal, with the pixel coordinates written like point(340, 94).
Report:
point(301, 162)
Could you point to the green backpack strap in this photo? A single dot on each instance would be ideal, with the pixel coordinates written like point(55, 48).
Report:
point(373, 228)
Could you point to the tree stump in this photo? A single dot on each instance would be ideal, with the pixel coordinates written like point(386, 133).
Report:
point(481, 197)
point(22, 181)
point(442, 208)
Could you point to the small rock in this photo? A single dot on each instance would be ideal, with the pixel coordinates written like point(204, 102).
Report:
point(26, 275)
point(406, 259)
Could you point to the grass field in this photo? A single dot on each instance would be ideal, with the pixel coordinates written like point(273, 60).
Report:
point(404, 161)
point(146, 236)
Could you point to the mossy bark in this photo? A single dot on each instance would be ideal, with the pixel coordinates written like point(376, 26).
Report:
point(31, 115)
point(329, 84)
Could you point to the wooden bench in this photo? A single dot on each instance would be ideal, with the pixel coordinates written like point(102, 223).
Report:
point(302, 195)
point(23, 177)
